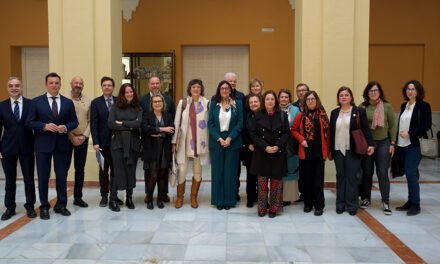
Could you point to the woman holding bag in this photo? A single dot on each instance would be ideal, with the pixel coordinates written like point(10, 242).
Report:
point(191, 122)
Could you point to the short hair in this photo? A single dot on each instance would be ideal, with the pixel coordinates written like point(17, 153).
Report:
point(52, 75)
point(154, 76)
point(286, 91)
point(193, 82)
point(163, 102)
point(106, 78)
point(302, 84)
point(277, 103)
point(230, 74)
point(367, 89)
point(304, 102)
point(419, 87)
point(254, 81)
point(13, 78)
point(121, 102)
point(218, 97)
point(248, 106)
point(345, 88)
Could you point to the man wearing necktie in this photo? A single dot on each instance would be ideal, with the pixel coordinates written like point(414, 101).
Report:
point(51, 117)
point(16, 144)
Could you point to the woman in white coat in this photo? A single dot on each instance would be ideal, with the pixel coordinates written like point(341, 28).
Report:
point(191, 140)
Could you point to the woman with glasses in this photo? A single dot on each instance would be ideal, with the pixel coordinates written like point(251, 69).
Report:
point(382, 123)
point(415, 120)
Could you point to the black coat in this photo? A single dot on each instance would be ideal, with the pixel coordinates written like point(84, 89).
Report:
point(101, 133)
point(421, 121)
point(269, 131)
point(150, 144)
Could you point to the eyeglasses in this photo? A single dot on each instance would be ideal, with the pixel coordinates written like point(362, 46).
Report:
point(411, 89)
point(311, 99)
point(374, 91)
point(157, 102)
point(301, 90)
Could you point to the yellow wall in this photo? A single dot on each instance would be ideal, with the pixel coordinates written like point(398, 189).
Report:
point(23, 23)
point(163, 26)
point(404, 45)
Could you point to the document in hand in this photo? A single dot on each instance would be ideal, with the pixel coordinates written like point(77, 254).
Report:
point(100, 159)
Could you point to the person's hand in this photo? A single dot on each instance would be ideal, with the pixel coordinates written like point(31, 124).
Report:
point(251, 147)
point(50, 127)
point(97, 148)
point(271, 150)
point(1, 157)
point(76, 141)
point(304, 144)
point(118, 122)
point(370, 151)
point(168, 129)
point(227, 142)
point(391, 150)
point(404, 134)
point(61, 129)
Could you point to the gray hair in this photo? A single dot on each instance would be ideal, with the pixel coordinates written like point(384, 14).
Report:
point(13, 78)
point(230, 74)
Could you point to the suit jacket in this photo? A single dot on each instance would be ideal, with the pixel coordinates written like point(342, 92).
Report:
point(17, 138)
point(235, 126)
point(421, 121)
point(150, 127)
point(145, 104)
point(101, 133)
point(40, 114)
point(353, 125)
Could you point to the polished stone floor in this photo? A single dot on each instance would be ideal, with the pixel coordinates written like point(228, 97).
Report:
point(206, 235)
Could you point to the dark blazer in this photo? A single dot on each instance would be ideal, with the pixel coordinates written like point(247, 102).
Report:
point(17, 138)
point(41, 114)
point(101, 133)
point(150, 127)
point(235, 126)
point(421, 121)
point(363, 124)
point(145, 104)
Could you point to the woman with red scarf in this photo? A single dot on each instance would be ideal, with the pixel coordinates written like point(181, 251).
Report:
point(311, 130)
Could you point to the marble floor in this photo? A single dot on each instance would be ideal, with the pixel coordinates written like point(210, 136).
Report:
point(206, 235)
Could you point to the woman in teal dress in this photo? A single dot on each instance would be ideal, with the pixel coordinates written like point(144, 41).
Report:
point(225, 124)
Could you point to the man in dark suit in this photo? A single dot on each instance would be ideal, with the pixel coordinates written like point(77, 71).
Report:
point(101, 135)
point(154, 86)
point(16, 144)
point(51, 117)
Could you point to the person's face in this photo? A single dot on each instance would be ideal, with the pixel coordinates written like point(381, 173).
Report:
point(225, 91)
point(232, 80)
point(157, 104)
point(284, 99)
point(301, 91)
point(269, 102)
point(196, 90)
point(107, 88)
point(311, 102)
point(129, 94)
point(15, 89)
point(411, 91)
point(256, 88)
point(154, 85)
point(53, 85)
point(344, 98)
point(254, 103)
point(77, 85)
point(374, 93)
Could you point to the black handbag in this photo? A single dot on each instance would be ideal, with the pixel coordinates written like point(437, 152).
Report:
point(397, 163)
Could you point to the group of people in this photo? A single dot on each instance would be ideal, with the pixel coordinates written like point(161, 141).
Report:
point(283, 144)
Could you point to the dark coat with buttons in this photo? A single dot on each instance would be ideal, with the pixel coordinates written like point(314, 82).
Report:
point(266, 131)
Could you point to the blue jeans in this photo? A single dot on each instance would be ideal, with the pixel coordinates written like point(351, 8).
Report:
point(412, 157)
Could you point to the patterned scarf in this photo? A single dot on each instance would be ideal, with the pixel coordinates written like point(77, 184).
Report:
point(309, 123)
point(378, 115)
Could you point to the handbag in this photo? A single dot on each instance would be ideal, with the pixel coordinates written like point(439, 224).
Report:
point(360, 142)
point(428, 146)
point(397, 163)
point(174, 172)
point(179, 130)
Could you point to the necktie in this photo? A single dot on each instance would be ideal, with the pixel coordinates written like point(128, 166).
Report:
point(109, 103)
point(16, 111)
point(54, 107)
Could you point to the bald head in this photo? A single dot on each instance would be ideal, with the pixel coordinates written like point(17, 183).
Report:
point(77, 85)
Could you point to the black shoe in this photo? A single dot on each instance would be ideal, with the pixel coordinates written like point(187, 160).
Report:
point(119, 201)
point(272, 215)
point(104, 201)
point(340, 211)
point(227, 207)
point(307, 209)
point(261, 214)
point(404, 207)
point(31, 213)
point(318, 212)
point(80, 202)
point(249, 204)
point(8, 214)
point(352, 213)
point(219, 207)
point(113, 205)
point(414, 210)
point(150, 205)
point(287, 203)
point(129, 203)
point(165, 198)
point(160, 204)
point(44, 214)
point(62, 211)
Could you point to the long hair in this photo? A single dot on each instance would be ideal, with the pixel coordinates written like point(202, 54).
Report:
point(254, 81)
point(367, 89)
point(122, 103)
point(218, 97)
point(304, 102)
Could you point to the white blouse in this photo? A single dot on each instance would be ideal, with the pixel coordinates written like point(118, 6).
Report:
point(405, 120)
point(342, 137)
point(225, 119)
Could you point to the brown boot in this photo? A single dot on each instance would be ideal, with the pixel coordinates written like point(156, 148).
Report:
point(180, 193)
point(194, 191)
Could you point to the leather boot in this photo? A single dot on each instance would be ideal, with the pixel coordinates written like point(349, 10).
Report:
point(113, 204)
point(129, 199)
point(194, 191)
point(180, 193)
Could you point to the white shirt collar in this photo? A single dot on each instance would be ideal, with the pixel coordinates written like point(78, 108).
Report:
point(50, 96)
point(20, 100)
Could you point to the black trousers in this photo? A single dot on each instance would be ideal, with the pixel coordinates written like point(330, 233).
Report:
point(251, 185)
point(106, 178)
point(79, 162)
point(9, 163)
point(312, 170)
point(347, 168)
